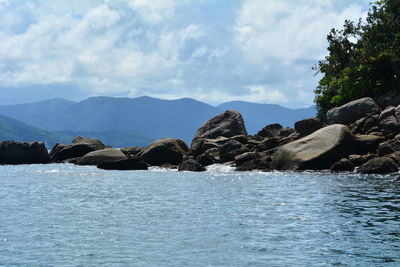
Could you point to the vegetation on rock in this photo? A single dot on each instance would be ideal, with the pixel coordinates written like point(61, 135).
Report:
point(363, 59)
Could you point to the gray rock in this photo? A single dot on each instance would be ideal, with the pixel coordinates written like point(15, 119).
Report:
point(166, 150)
point(358, 160)
point(379, 165)
point(352, 111)
point(12, 152)
point(134, 163)
point(231, 149)
point(101, 156)
point(271, 130)
point(368, 143)
point(316, 151)
point(389, 119)
point(131, 151)
point(227, 124)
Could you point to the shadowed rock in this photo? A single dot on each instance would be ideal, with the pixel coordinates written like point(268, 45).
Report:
point(307, 126)
point(190, 165)
point(380, 165)
point(80, 146)
point(125, 164)
point(316, 151)
point(343, 165)
point(227, 124)
point(166, 150)
point(12, 152)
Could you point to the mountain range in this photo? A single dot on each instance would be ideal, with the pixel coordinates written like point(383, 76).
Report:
point(138, 121)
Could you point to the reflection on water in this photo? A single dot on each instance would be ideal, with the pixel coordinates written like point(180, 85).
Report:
point(71, 215)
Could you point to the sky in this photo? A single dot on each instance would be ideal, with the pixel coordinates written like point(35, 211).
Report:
point(211, 50)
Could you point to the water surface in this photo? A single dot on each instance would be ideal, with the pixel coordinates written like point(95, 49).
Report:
point(66, 215)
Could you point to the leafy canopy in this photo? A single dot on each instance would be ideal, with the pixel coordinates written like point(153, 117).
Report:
point(363, 59)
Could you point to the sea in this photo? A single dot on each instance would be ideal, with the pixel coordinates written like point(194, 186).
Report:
point(67, 215)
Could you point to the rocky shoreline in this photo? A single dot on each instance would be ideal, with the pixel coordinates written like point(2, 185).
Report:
point(359, 136)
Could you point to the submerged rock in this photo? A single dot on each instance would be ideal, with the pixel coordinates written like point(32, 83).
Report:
point(316, 151)
point(12, 152)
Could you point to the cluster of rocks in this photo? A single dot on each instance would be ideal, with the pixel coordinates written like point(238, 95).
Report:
point(358, 136)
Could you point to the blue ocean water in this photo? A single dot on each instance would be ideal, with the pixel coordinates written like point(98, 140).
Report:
point(66, 215)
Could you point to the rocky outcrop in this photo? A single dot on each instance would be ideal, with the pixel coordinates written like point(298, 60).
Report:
point(131, 151)
point(12, 152)
point(166, 150)
point(379, 165)
point(352, 111)
point(227, 124)
point(230, 149)
point(389, 119)
point(316, 151)
point(80, 146)
point(101, 156)
point(134, 163)
point(368, 143)
point(388, 147)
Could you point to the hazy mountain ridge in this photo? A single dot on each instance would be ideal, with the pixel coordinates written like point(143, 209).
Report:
point(144, 117)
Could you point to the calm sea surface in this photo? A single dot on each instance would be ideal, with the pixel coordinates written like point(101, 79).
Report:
point(65, 215)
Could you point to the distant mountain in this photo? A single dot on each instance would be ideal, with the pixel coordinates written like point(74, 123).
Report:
point(11, 129)
point(257, 116)
point(114, 138)
point(135, 121)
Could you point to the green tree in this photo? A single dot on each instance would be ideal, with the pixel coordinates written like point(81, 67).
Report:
point(363, 58)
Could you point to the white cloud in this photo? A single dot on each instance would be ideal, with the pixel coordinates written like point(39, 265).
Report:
point(261, 51)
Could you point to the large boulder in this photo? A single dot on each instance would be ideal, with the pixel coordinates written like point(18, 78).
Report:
point(128, 164)
point(388, 147)
point(101, 156)
point(271, 130)
point(227, 124)
point(343, 165)
point(80, 146)
point(379, 165)
point(352, 111)
point(166, 150)
point(12, 152)
point(316, 151)
point(231, 149)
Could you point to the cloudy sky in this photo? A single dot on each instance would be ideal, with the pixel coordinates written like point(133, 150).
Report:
point(211, 50)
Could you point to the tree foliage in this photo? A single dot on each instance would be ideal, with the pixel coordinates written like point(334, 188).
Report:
point(363, 58)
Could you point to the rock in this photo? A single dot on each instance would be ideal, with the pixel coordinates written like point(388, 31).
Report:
point(231, 149)
point(352, 111)
point(201, 145)
point(190, 165)
point(166, 150)
point(12, 152)
point(379, 165)
point(388, 147)
point(227, 124)
point(307, 126)
point(316, 151)
point(134, 163)
point(367, 124)
point(101, 156)
point(131, 151)
point(268, 143)
point(253, 161)
point(358, 160)
point(80, 146)
point(271, 130)
point(368, 143)
point(343, 165)
point(209, 157)
point(389, 119)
